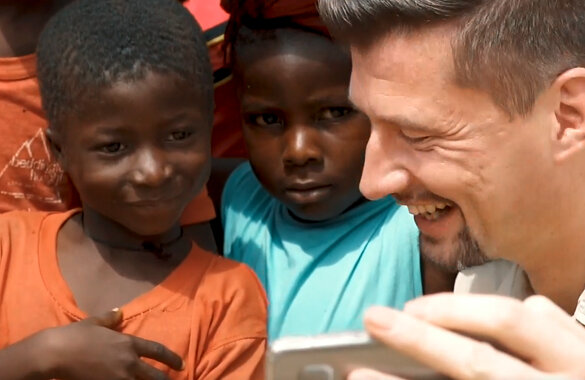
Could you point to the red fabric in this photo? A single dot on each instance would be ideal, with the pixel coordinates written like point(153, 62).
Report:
point(207, 12)
point(227, 139)
point(301, 12)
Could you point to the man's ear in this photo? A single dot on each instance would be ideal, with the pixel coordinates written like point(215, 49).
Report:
point(54, 139)
point(569, 133)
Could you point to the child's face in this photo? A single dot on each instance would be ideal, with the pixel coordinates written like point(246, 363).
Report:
point(138, 152)
point(305, 141)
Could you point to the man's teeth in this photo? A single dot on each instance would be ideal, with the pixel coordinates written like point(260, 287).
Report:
point(429, 211)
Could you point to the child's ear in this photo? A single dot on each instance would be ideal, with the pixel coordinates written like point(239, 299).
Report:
point(569, 133)
point(54, 139)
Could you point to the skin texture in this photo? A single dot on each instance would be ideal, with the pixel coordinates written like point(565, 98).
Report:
point(305, 141)
point(513, 183)
point(139, 154)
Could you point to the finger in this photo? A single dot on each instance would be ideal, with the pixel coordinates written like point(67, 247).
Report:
point(109, 319)
point(525, 329)
point(158, 352)
point(147, 372)
point(445, 351)
point(368, 374)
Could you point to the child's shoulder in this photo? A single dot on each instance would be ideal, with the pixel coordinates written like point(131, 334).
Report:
point(230, 277)
point(31, 220)
point(242, 177)
point(243, 191)
point(233, 300)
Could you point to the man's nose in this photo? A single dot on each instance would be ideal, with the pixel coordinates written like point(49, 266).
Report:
point(301, 146)
point(383, 172)
point(152, 168)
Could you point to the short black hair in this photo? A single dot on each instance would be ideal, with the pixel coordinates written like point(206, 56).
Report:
point(91, 44)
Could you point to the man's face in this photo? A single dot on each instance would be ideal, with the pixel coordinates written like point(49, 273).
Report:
point(470, 174)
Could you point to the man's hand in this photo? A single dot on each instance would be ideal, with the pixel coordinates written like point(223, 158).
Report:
point(533, 339)
point(91, 350)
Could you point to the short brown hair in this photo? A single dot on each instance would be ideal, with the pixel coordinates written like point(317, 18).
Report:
point(511, 49)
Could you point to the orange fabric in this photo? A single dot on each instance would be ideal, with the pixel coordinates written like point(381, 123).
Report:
point(29, 178)
point(200, 209)
point(209, 310)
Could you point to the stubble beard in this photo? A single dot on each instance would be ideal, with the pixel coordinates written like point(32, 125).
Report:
point(463, 252)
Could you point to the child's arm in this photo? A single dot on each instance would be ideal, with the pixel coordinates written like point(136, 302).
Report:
point(86, 350)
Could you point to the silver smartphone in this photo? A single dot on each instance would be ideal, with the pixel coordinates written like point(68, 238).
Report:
point(333, 356)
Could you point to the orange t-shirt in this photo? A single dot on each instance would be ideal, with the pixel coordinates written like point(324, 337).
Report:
point(209, 310)
point(29, 178)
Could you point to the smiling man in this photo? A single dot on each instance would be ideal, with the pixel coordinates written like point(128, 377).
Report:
point(478, 126)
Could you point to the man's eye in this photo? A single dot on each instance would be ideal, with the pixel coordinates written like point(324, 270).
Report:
point(112, 148)
point(414, 139)
point(179, 135)
point(334, 113)
point(266, 120)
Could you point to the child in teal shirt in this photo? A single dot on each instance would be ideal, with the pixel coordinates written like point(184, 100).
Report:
point(295, 213)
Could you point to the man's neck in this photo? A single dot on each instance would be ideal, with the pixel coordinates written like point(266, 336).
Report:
point(559, 271)
point(21, 23)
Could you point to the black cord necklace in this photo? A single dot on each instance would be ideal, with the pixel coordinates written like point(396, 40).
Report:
point(159, 250)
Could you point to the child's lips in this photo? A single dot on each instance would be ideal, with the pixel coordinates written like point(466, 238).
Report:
point(153, 203)
point(308, 193)
point(153, 198)
point(302, 185)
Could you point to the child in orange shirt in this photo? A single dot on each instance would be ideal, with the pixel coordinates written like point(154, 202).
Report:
point(127, 89)
point(30, 178)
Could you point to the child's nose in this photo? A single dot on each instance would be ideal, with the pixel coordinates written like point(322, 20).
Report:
point(152, 168)
point(301, 146)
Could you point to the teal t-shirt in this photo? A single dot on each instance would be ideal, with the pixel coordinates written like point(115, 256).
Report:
point(320, 277)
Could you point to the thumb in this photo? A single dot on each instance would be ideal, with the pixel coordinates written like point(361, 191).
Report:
point(109, 319)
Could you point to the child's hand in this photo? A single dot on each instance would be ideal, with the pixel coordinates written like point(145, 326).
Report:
point(91, 350)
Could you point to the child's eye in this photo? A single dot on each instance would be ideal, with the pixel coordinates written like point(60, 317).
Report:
point(266, 120)
point(179, 135)
point(113, 148)
point(334, 113)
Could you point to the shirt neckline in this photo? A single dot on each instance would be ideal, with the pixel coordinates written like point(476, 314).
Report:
point(164, 292)
point(288, 218)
